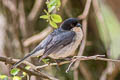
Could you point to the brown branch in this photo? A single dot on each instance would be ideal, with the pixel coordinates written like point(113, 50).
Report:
point(3, 26)
point(52, 64)
point(10, 5)
point(84, 58)
point(38, 37)
point(41, 74)
point(110, 72)
point(22, 18)
point(30, 72)
point(35, 10)
point(86, 10)
point(84, 25)
point(85, 72)
point(96, 57)
point(82, 46)
point(113, 73)
point(76, 74)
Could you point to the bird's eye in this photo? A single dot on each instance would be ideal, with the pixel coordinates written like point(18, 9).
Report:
point(74, 24)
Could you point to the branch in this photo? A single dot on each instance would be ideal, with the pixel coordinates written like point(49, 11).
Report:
point(84, 58)
point(35, 10)
point(84, 25)
point(22, 18)
point(37, 38)
point(10, 5)
point(43, 75)
point(76, 74)
point(96, 57)
point(86, 10)
point(52, 64)
point(30, 72)
point(85, 71)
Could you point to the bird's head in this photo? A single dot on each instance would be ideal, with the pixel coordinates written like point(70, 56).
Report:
point(70, 23)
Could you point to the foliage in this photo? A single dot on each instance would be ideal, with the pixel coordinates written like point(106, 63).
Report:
point(14, 71)
point(52, 18)
point(45, 60)
point(17, 78)
point(3, 77)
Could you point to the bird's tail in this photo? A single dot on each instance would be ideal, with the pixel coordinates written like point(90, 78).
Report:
point(27, 56)
point(19, 62)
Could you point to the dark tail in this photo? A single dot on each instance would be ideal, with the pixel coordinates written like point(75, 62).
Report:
point(27, 56)
point(19, 62)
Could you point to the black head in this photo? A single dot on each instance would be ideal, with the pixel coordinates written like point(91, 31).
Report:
point(70, 23)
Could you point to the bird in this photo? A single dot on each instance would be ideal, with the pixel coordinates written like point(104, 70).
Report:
point(60, 43)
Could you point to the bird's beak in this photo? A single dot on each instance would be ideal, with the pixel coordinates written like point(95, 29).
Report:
point(79, 25)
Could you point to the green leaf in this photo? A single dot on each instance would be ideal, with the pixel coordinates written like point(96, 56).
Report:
point(44, 16)
point(3, 77)
point(56, 18)
point(14, 71)
point(58, 4)
point(51, 8)
point(46, 12)
point(17, 78)
point(53, 4)
point(24, 73)
point(27, 67)
point(45, 60)
point(53, 24)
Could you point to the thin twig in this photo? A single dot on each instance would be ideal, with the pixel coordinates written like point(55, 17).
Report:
point(84, 24)
point(86, 10)
point(70, 65)
point(96, 57)
point(52, 64)
point(84, 58)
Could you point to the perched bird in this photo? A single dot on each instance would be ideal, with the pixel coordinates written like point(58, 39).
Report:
point(61, 43)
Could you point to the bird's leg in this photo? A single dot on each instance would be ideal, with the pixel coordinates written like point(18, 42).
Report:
point(42, 57)
point(68, 58)
point(58, 66)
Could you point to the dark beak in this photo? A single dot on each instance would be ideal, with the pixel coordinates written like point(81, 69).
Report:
point(79, 25)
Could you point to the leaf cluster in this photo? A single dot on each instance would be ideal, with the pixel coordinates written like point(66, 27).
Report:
point(53, 19)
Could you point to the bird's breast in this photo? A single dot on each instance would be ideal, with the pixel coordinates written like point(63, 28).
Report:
point(69, 50)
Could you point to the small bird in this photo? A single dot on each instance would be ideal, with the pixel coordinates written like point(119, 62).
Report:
point(59, 44)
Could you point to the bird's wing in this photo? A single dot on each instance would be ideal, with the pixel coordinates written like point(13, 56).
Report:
point(62, 39)
point(41, 46)
point(50, 43)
